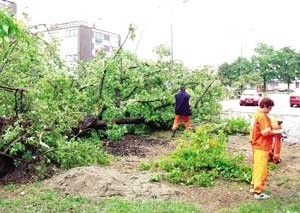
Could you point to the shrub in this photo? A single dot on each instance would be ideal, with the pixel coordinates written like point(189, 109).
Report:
point(202, 157)
point(80, 152)
point(237, 125)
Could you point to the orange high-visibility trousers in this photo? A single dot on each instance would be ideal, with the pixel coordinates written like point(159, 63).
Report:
point(260, 169)
point(186, 120)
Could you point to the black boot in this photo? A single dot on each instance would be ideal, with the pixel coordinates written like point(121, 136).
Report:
point(173, 133)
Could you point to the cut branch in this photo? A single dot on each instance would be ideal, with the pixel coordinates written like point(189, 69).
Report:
point(11, 89)
point(103, 124)
point(203, 94)
point(92, 122)
point(163, 106)
point(130, 94)
point(150, 101)
point(86, 86)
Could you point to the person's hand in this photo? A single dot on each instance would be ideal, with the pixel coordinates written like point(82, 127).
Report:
point(277, 131)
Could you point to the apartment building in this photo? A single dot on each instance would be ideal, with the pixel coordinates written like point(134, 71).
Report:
point(80, 41)
point(12, 6)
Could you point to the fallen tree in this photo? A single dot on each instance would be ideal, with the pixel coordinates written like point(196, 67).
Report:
point(108, 93)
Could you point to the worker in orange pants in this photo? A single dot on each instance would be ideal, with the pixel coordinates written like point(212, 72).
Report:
point(261, 138)
point(182, 110)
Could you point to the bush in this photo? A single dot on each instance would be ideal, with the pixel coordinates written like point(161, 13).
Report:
point(202, 157)
point(80, 152)
point(237, 125)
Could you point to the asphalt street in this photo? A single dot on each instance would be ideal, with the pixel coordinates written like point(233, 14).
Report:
point(282, 110)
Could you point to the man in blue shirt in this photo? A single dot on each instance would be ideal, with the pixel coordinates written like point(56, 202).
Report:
point(182, 110)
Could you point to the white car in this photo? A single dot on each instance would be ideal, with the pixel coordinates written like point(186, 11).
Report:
point(250, 97)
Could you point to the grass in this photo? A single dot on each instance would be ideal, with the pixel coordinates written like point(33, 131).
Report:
point(37, 199)
point(289, 204)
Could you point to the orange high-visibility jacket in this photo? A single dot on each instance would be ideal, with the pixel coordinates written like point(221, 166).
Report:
point(261, 131)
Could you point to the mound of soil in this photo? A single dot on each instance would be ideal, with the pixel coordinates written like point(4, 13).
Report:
point(99, 182)
point(121, 177)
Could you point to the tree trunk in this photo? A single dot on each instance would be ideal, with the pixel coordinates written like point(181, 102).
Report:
point(92, 122)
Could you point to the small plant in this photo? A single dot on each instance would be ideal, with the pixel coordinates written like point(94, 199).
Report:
point(155, 177)
point(237, 125)
point(41, 170)
point(116, 132)
point(144, 166)
point(10, 187)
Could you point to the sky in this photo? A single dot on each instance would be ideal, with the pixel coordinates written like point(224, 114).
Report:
point(204, 32)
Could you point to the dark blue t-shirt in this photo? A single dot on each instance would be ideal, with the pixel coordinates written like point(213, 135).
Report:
point(182, 106)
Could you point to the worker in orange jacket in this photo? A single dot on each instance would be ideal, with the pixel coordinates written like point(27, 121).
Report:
point(261, 140)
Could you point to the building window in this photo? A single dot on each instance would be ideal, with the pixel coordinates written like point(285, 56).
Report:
point(71, 57)
point(106, 48)
point(98, 37)
point(71, 33)
point(106, 37)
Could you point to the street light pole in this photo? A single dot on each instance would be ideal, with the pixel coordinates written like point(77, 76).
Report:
point(172, 39)
point(172, 49)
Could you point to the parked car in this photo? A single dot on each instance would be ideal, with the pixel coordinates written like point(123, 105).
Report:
point(295, 98)
point(250, 97)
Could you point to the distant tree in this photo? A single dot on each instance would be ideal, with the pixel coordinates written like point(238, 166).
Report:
point(225, 74)
point(287, 64)
point(238, 74)
point(265, 55)
point(162, 51)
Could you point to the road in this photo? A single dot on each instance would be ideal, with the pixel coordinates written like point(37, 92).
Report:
point(289, 115)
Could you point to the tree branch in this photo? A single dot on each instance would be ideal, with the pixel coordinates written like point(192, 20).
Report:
point(130, 94)
point(6, 55)
point(204, 93)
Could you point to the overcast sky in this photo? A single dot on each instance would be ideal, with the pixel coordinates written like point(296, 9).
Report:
point(204, 31)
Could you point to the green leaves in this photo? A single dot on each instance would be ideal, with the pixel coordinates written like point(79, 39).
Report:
point(81, 152)
point(237, 125)
point(7, 26)
point(202, 157)
point(10, 34)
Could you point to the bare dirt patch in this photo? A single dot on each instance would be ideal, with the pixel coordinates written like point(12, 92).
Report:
point(123, 178)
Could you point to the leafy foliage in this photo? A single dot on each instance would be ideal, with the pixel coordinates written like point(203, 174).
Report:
point(50, 103)
point(202, 157)
point(238, 125)
point(81, 152)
